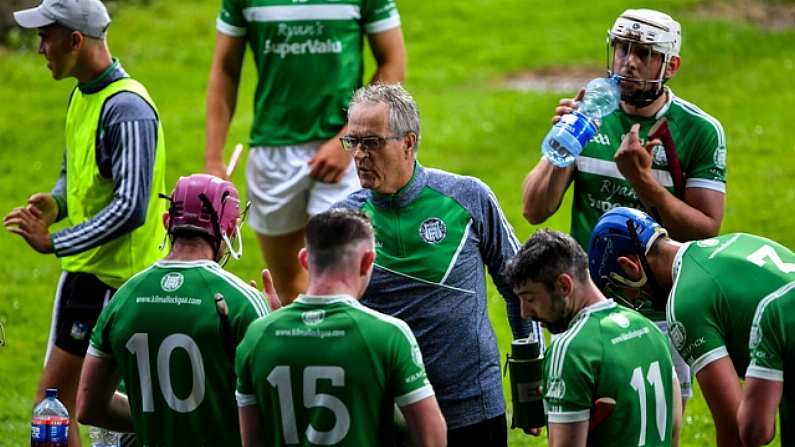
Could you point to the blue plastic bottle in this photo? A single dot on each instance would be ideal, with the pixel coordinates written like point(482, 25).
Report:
point(569, 135)
point(50, 423)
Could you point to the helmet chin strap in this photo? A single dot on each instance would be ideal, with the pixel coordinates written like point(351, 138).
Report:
point(644, 96)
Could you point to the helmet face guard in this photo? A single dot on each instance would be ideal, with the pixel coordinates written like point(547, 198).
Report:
point(625, 232)
point(211, 206)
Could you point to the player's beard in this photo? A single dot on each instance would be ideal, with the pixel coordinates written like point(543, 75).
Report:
point(560, 314)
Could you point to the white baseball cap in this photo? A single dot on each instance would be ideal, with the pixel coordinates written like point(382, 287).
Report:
point(87, 16)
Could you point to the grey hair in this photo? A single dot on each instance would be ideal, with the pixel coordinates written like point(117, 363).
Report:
point(404, 117)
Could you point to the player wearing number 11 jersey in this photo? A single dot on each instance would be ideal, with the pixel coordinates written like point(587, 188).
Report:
point(711, 289)
point(326, 370)
point(171, 331)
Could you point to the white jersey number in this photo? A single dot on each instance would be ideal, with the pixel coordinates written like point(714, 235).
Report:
point(138, 344)
point(660, 407)
point(766, 251)
point(280, 378)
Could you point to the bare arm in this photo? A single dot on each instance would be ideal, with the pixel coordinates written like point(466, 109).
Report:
point(222, 98)
point(573, 434)
point(98, 403)
point(543, 189)
point(756, 417)
point(722, 391)
point(426, 423)
point(390, 55)
point(252, 432)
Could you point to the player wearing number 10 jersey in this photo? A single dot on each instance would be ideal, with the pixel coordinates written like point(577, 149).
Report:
point(711, 289)
point(171, 332)
point(326, 370)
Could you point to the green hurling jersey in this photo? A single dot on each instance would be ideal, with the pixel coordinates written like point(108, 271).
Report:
point(613, 352)
point(772, 344)
point(600, 187)
point(309, 61)
point(164, 332)
point(717, 285)
point(328, 371)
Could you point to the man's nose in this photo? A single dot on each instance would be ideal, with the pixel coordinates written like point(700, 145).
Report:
point(527, 312)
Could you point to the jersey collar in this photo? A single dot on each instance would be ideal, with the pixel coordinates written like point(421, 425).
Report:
point(326, 299)
point(664, 109)
point(406, 194)
point(677, 264)
point(595, 307)
point(164, 263)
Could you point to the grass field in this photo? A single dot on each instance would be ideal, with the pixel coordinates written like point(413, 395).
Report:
point(460, 54)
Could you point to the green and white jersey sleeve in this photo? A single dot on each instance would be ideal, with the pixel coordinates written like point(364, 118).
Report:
point(308, 56)
point(772, 335)
point(598, 184)
point(610, 352)
point(718, 284)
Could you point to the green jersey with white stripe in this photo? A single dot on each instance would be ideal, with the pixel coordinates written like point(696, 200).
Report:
point(328, 371)
point(772, 347)
point(612, 352)
point(164, 331)
point(717, 285)
point(600, 187)
point(308, 56)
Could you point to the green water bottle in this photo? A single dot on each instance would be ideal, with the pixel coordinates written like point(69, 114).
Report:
point(524, 365)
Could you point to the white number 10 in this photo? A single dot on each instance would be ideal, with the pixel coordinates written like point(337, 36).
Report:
point(660, 407)
point(766, 251)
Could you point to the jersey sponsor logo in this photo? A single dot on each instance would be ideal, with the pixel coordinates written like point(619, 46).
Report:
point(719, 157)
point(172, 281)
point(416, 355)
point(620, 320)
point(622, 189)
point(556, 389)
point(707, 243)
point(433, 230)
point(313, 317)
point(312, 46)
point(629, 335)
point(678, 335)
point(290, 31)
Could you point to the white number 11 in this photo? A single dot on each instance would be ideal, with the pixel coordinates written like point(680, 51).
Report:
point(661, 409)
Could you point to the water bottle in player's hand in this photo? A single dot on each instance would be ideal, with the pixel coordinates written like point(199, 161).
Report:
point(101, 437)
point(569, 135)
point(50, 424)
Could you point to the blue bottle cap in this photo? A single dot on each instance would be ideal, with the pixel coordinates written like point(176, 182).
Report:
point(51, 392)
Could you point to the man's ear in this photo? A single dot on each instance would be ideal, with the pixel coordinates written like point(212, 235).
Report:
point(631, 267)
point(564, 284)
point(411, 143)
point(303, 259)
point(76, 40)
point(673, 66)
point(366, 264)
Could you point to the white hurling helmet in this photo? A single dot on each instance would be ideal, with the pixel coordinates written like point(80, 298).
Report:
point(649, 30)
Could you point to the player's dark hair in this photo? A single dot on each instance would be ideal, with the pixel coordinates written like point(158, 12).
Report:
point(545, 255)
point(330, 236)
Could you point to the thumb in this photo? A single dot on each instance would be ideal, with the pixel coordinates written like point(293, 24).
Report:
point(270, 290)
point(580, 95)
point(651, 145)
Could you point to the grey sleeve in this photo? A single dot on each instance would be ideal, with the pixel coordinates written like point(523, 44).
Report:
point(498, 245)
point(126, 145)
point(59, 190)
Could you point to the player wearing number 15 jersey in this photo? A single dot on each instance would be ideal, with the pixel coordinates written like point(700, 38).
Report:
point(711, 289)
point(326, 370)
point(171, 331)
point(608, 376)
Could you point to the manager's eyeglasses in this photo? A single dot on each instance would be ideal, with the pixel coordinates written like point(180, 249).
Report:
point(368, 144)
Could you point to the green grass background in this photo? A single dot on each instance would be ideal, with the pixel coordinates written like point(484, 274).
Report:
point(460, 53)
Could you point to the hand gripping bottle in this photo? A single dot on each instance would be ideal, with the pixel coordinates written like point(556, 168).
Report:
point(50, 424)
point(524, 364)
point(569, 135)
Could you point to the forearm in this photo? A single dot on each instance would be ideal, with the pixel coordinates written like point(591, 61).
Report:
point(221, 103)
point(390, 72)
point(683, 221)
point(755, 429)
point(543, 189)
point(116, 416)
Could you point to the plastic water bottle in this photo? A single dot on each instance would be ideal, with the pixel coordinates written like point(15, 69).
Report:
point(101, 437)
point(50, 424)
point(569, 135)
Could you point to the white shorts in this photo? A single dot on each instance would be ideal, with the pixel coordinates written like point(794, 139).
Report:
point(282, 193)
point(681, 367)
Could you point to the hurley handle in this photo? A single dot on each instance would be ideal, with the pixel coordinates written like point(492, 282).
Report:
point(661, 131)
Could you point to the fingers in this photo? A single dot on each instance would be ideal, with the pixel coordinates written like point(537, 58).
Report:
point(270, 290)
point(35, 210)
point(217, 169)
point(651, 144)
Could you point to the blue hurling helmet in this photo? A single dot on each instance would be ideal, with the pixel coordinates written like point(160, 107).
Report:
point(620, 232)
